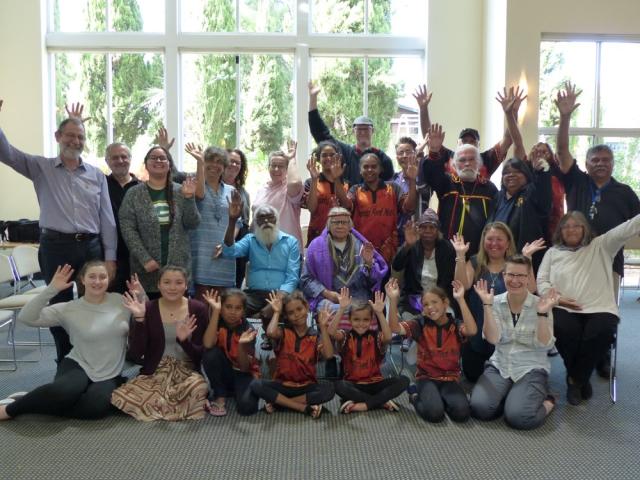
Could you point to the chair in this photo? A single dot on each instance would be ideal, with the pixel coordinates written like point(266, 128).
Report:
point(7, 320)
point(25, 261)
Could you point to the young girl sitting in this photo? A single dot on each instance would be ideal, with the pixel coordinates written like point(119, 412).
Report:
point(439, 337)
point(229, 362)
point(166, 335)
point(362, 350)
point(297, 348)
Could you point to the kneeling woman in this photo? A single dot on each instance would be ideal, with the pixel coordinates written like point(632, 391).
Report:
point(297, 348)
point(97, 325)
point(167, 337)
point(518, 324)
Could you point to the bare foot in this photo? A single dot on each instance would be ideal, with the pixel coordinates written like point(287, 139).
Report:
point(359, 407)
point(391, 406)
point(316, 411)
point(269, 408)
point(549, 403)
point(3, 413)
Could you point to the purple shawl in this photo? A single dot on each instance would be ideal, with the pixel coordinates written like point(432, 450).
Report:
point(320, 264)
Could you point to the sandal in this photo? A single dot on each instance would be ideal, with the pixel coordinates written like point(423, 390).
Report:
point(391, 406)
point(346, 407)
point(216, 409)
point(314, 411)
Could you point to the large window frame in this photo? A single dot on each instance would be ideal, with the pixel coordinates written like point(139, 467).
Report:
point(302, 44)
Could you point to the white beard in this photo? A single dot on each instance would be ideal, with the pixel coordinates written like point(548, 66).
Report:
point(467, 174)
point(267, 236)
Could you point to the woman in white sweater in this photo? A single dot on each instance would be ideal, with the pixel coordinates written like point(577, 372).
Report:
point(97, 324)
point(580, 268)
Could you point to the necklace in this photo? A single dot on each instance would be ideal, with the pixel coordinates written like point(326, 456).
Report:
point(494, 278)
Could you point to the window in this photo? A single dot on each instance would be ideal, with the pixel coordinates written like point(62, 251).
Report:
point(603, 71)
point(235, 72)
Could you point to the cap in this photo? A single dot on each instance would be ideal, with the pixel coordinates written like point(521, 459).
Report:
point(429, 216)
point(363, 120)
point(472, 132)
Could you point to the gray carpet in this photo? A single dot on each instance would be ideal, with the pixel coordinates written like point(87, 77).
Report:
point(595, 440)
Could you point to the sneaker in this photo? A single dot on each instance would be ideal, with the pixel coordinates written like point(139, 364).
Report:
point(6, 401)
point(586, 391)
point(17, 395)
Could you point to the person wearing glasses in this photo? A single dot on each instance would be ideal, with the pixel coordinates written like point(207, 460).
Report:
point(340, 257)
point(605, 202)
point(578, 267)
point(155, 218)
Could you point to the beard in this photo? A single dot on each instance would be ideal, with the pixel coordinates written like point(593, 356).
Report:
point(71, 153)
point(267, 234)
point(467, 174)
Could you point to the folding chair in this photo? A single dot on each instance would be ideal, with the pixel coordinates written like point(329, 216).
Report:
point(26, 265)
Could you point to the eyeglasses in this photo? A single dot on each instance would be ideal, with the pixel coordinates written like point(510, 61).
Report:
point(159, 159)
point(519, 276)
point(340, 222)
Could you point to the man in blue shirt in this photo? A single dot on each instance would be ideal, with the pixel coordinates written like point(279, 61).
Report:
point(274, 257)
point(76, 219)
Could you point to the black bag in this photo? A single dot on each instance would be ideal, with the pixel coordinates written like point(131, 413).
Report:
point(23, 231)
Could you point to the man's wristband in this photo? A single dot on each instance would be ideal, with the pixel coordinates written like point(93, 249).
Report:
point(540, 314)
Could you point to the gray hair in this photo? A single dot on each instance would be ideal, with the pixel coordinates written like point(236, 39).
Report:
point(603, 147)
point(266, 209)
point(464, 147)
point(338, 212)
point(216, 154)
point(107, 152)
point(278, 153)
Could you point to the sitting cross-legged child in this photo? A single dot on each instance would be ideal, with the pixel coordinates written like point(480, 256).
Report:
point(439, 337)
point(362, 350)
point(297, 348)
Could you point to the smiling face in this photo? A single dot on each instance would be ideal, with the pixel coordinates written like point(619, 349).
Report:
point(495, 243)
point(513, 179)
point(278, 169)
point(95, 280)
point(467, 164)
point(232, 311)
point(339, 227)
point(404, 154)
point(363, 134)
point(434, 307)
point(328, 155)
point(600, 166)
point(296, 312)
point(370, 169)
point(119, 160)
point(233, 168)
point(71, 138)
point(172, 285)
point(360, 320)
point(572, 232)
point(540, 151)
point(157, 163)
point(516, 278)
point(213, 169)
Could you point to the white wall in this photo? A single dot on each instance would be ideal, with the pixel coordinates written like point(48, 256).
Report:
point(21, 88)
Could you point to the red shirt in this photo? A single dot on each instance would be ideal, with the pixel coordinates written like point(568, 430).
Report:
point(228, 343)
point(362, 356)
point(438, 348)
point(296, 357)
point(375, 215)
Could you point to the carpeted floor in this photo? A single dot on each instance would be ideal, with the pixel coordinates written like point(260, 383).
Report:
point(597, 440)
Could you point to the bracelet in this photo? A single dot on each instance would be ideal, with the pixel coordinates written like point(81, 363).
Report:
point(461, 259)
point(488, 304)
point(540, 314)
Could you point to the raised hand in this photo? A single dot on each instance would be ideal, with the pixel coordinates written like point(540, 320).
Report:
point(275, 301)
point(314, 89)
point(248, 337)
point(486, 295)
point(411, 234)
point(566, 99)
point(188, 189)
point(162, 139)
point(292, 148)
point(518, 98)
point(506, 99)
point(532, 247)
point(213, 299)
point(134, 287)
point(436, 137)
point(393, 289)
point(76, 111)
point(324, 316)
point(548, 301)
point(312, 167)
point(412, 169)
point(235, 205)
point(458, 289)
point(459, 245)
point(135, 305)
point(366, 253)
point(337, 167)
point(185, 328)
point(378, 303)
point(195, 151)
point(62, 279)
point(344, 298)
point(422, 96)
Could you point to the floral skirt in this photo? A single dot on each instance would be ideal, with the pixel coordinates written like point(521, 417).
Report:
point(174, 392)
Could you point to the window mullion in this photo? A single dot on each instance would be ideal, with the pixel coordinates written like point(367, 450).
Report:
point(596, 96)
point(238, 109)
point(365, 84)
point(109, 99)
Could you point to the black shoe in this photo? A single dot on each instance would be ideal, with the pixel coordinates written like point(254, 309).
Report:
point(574, 393)
point(603, 367)
point(586, 391)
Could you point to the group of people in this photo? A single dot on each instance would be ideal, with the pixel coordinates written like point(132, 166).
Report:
point(484, 288)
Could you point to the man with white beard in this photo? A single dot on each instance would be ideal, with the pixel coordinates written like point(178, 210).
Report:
point(465, 198)
point(76, 220)
point(274, 257)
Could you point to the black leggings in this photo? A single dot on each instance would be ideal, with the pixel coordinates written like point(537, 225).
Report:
point(473, 362)
point(376, 394)
point(316, 393)
point(436, 397)
point(582, 339)
point(72, 394)
point(225, 381)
